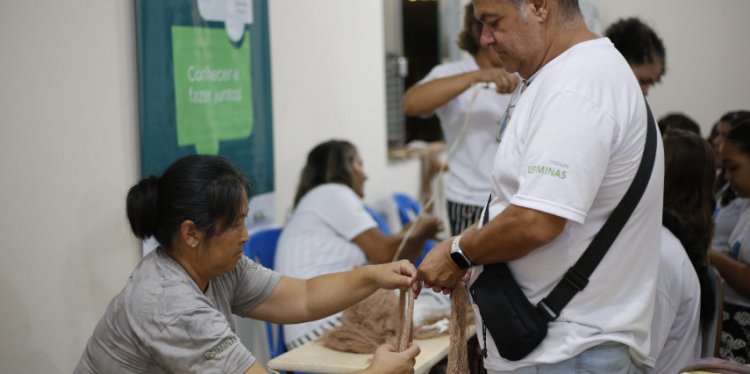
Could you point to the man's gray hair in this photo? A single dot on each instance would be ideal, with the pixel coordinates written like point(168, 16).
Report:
point(568, 7)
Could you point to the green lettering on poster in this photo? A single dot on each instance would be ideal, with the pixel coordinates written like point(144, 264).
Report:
point(213, 88)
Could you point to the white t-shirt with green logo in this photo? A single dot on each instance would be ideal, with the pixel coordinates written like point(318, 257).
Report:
point(162, 323)
point(571, 149)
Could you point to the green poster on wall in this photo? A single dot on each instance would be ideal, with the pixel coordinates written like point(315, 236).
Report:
point(213, 92)
point(205, 88)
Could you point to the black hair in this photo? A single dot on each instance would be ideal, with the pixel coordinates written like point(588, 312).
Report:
point(689, 203)
point(207, 190)
point(568, 8)
point(637, 42)
point(328, 162)
point(735, 116)
point(739, 135)
point(678, 121)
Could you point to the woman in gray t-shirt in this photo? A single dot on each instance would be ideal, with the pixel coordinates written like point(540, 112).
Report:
point(174, 313)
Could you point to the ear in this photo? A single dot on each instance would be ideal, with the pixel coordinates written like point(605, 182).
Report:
point(190, 234)
point(540, 9)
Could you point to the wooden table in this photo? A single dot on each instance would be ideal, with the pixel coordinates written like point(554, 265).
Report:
point(315, 358)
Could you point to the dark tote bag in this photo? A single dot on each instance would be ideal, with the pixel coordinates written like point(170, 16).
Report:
point(516, 325)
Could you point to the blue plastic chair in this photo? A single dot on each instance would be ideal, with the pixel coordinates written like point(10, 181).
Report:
point(380, 220)
point(261, 248)
point(383, 226)
point(407, 206)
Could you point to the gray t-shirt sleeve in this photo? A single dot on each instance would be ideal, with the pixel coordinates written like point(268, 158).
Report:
point(200, 341)
point(255, 284)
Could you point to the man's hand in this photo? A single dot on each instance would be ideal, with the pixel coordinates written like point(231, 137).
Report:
point(388, 361)
point(438, 271)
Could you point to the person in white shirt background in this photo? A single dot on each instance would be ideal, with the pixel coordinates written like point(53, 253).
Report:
point(684, 303)
point(728, 205)
point(642, 48)
point(330, 230)
point(447, 92)
point(733, 262)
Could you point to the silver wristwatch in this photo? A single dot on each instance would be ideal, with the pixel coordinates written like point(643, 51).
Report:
point(458, 256)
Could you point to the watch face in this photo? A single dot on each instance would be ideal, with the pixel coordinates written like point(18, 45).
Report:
point(460, 260)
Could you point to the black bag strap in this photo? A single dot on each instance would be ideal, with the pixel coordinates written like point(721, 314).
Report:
point(577, 277)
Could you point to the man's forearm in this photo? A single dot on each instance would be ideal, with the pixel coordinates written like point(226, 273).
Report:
point(512, 234)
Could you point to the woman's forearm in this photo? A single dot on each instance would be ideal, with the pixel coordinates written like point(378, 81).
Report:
point(301, 300)
point(330, 293)
point(735, 273)
point(425, 98)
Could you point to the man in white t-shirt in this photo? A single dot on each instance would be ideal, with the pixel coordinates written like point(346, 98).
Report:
point(570, 149)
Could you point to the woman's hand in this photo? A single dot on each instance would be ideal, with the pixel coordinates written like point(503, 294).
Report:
point(505, 82)
point(388, 361)
point(392, 275)
point(428, 226)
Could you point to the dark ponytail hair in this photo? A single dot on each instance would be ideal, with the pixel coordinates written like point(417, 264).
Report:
point(689, 173)
point(142, 204)
point(328, 162)
point(207, 190)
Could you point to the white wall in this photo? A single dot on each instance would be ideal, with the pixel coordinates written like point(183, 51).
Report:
point(69, 145)
point(707, 54)
point(68, 154)
point(69, 150)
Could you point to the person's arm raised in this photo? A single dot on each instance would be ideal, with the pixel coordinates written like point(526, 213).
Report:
point(299, 300)
point(425, 98)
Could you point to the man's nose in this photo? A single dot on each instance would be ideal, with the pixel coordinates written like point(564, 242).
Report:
point(486, 39)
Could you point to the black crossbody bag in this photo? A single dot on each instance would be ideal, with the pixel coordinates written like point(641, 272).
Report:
point(516, 325)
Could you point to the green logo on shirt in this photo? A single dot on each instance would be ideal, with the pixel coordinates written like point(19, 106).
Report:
point(546, 170)
point(221, 347)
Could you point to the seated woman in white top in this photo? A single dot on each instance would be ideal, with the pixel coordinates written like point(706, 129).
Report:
point(330, 230)
point(684, 297)
point(732, 263)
